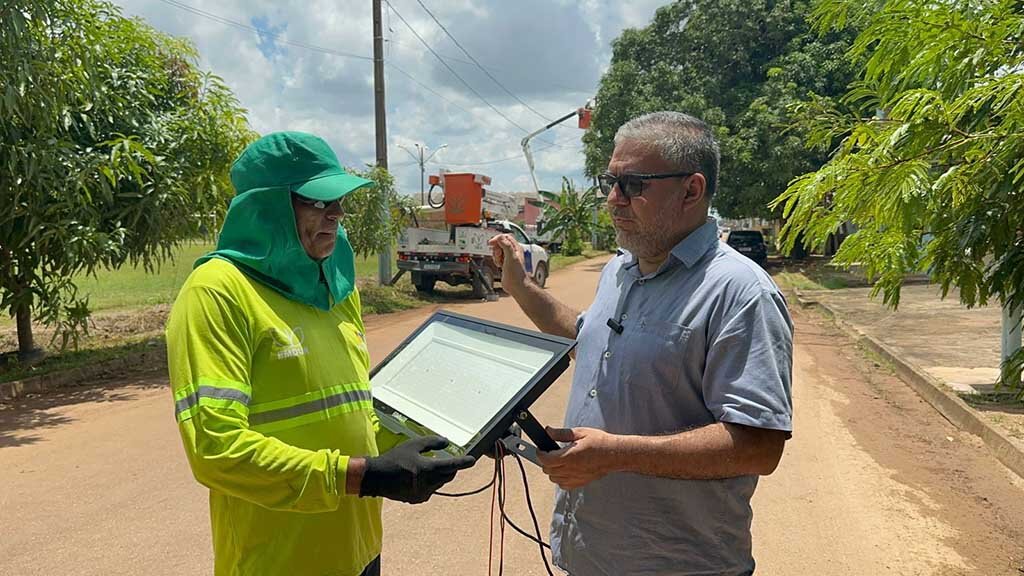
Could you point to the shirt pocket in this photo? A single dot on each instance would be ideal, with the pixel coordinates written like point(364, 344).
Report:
point(656, 351)
point(353, 342)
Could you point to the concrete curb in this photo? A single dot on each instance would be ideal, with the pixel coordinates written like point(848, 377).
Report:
point(949, 405)
point(154, 355)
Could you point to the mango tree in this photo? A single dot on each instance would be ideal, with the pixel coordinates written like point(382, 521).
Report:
point(114, 148)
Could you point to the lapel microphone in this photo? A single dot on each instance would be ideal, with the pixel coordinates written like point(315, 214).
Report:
point(615, 325)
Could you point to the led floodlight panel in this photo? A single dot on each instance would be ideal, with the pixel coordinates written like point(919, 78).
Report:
point(465, 379)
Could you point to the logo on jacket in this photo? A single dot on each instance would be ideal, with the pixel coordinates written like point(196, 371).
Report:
point(288, 342)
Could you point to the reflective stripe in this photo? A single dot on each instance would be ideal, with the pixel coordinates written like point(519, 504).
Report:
point(213, 392)
point(317, 405)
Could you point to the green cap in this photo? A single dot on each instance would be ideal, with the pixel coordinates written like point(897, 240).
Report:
point(301, 162)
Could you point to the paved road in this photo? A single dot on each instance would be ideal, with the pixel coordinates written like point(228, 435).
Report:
point(93, 481)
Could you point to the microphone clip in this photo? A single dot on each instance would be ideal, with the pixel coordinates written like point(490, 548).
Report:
point(615, 326)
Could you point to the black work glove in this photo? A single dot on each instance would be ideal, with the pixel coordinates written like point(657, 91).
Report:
point(406, 475)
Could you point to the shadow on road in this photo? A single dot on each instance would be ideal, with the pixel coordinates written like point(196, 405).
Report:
point(593, 266)
point(19, 418)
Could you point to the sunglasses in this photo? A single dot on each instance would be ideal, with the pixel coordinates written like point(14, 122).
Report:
point(318, 204)
point(632, 185)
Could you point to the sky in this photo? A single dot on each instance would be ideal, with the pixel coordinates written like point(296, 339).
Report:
point(308, 66)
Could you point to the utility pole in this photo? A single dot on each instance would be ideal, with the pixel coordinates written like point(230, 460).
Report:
point(1011, 339)
point(594, 243)
point(422, 161)
point(384, 258)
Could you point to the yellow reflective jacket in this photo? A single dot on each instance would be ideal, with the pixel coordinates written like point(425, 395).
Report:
point(272, 396)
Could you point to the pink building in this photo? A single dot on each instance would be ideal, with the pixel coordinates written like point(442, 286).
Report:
point(530, 213)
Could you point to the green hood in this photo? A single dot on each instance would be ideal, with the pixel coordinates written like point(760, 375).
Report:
point(260, 238)
point(259, 234)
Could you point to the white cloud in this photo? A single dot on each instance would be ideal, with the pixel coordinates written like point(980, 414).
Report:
point(549, 54)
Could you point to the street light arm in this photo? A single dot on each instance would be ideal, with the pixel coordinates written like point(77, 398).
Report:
point(414, 156)
point(439, 148)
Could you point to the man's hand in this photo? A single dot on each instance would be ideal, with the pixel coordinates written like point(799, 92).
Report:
point(508, 254)
point(590, 455)
point(407, 475)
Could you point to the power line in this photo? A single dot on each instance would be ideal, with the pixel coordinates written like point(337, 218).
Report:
point(277, 38)
point(454, 73)
point(499, 160)
point(394, 67)
point(452, 70)
point(312, 47)
point(477, 63)
point(275, 35)
point(450, 58)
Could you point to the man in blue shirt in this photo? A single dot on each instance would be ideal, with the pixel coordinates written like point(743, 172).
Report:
point(681, 396)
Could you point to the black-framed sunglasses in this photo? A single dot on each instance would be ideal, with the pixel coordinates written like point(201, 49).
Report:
point(318, 204)
point(632, 185)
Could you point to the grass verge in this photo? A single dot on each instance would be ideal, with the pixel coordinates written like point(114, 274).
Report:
point(377, 299)
point(559, 261)
point(124, 297)
point(71, 359)
point(796, 280)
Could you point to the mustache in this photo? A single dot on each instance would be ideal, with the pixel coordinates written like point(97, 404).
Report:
point(621, 213)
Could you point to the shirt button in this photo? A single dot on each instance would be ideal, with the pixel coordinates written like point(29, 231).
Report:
point(607, 354)
point(622, 318)
point(641, 282)
point(593, 393)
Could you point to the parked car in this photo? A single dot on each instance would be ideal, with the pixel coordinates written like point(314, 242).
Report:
point(750, 243)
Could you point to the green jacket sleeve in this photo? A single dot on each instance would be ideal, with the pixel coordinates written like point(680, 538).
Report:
point(386, 439)
point(209, 353)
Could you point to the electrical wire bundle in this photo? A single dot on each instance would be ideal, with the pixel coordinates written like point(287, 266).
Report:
point(498, 493)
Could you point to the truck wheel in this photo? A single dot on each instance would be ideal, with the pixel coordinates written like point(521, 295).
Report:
point(480, 289)
point(540, 276)
point(423, 282)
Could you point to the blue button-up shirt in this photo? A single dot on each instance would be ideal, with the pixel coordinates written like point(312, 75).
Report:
point(707, 338)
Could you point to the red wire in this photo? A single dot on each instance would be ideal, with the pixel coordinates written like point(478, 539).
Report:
point(501, 555)
point(490, 534)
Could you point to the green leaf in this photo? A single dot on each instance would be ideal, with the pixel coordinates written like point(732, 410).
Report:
point(90, 132)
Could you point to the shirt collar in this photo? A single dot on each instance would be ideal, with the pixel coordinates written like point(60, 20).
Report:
point(688, 251)
point(697, 243)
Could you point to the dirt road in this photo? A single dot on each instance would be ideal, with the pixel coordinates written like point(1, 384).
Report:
point(93, 481)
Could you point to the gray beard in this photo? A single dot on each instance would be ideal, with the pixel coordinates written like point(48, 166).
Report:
point(652, 242)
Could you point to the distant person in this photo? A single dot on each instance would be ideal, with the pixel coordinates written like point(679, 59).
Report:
point(681, 393)
point(269, 368)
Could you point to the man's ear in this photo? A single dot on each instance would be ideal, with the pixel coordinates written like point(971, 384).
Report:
point(695, 187)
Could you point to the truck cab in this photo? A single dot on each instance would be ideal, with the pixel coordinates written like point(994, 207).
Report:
point(462, 256)
point(535, 256)
point(455, 250)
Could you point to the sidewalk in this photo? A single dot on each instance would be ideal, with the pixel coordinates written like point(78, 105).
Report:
point(948, 353)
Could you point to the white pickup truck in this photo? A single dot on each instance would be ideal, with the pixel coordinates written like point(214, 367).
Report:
point(548, 239)
point(461, 255)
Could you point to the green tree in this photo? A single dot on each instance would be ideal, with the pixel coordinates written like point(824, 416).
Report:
point(738, 65)
point(368, 231)
point(570, 214)
point(604, 231)
point(114, 148)
point(928, 147)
